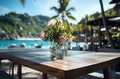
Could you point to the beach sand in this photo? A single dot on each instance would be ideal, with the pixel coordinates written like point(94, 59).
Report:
point(28, 73)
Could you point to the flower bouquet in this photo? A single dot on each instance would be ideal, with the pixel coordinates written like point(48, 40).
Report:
point(59, 33)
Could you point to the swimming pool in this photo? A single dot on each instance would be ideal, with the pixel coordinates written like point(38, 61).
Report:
point(29, 43)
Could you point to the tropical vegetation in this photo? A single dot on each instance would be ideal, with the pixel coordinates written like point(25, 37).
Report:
point(81, 25)
point(13, 24)
point(25, 25)
point(57, 31)
point(63, 11)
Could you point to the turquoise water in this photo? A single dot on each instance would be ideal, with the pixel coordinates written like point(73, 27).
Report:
point(29, 43)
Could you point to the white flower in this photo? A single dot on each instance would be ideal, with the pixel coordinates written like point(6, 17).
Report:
point(52, 22)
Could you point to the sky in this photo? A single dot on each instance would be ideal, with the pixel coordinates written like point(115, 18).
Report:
point(42, 7)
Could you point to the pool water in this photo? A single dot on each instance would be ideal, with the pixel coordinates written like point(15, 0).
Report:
point(30, 43)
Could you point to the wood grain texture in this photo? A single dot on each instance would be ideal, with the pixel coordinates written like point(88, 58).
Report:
point(68, 68)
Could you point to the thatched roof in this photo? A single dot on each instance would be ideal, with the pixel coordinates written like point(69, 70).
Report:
point(99, 21)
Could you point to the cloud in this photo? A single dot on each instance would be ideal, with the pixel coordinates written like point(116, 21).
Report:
point(4, 10)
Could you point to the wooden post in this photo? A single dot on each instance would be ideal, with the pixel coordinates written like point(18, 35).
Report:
point(44, 76)
point(100, 35)
point(0, 62)
point(91, 34)
point(19, 72)
point(107, 73)
point(13, 65)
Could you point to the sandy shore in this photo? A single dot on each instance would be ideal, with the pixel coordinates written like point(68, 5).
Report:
point(28, 73)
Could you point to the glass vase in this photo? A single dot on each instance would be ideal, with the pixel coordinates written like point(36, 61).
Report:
point(58, 51)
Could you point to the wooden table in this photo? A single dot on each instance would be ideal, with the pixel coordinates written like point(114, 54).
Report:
point(72, 66)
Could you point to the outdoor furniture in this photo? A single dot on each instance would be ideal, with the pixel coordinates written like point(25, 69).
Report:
point(11, 66)
point(0, 62)
point(76, 64)
point(4, 75)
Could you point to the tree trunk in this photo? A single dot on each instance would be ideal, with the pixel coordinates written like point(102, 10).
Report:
point(105, 24)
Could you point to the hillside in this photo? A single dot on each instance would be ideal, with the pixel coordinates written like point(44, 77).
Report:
point(13, 25)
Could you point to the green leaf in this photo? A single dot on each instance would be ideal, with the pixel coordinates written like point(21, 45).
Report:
point(70, 16)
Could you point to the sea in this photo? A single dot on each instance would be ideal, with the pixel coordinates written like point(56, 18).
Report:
point(4, 44)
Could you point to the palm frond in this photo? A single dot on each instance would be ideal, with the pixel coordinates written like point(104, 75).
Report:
point(61, 5)
point(62, 9)
point(69, 15)
point(22, 2)
point(70, 9)
point(53, 17)
point(66, 3)
point(55, 9)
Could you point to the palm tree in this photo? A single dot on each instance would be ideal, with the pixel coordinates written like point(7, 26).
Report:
point(63, 11)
